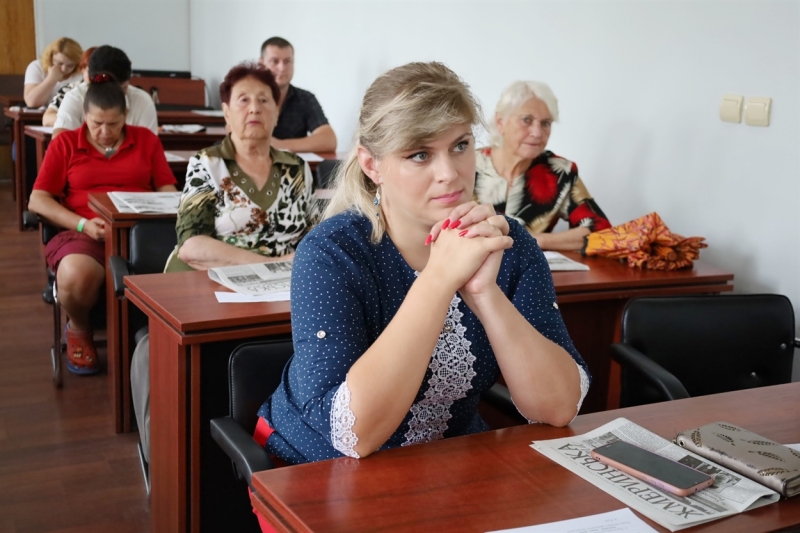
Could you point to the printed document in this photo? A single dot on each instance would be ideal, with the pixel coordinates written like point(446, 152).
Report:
point(255, 279)
point(153, 203)
point(730, 494)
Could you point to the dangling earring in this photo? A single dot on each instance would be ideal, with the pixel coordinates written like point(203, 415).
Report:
point(377, 202)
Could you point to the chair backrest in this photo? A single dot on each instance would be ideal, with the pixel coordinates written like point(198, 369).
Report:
point(254, 372)
point(325, 173)
point(151, 242)
point(711, 344)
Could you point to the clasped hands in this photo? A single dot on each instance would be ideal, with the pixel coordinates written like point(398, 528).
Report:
point(467, 248)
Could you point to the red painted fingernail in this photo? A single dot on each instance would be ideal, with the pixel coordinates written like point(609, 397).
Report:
point(455, 224)
point(428, 240)
point(445, 223)
point(462, 233)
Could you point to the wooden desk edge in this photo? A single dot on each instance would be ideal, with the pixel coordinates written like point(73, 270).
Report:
point(200, 331)
point(150, 311)
point(645, 283)
point(634, 292)
point(276, 520)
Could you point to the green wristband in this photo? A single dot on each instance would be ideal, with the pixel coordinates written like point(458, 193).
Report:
point(81, 224)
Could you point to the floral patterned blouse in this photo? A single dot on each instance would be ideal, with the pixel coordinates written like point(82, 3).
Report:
point(550, 189)
point(221, 201)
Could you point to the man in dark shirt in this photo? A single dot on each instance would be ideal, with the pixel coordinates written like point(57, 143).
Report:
point(302, 126)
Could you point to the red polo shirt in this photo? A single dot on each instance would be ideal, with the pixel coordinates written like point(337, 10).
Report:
point(73, 168)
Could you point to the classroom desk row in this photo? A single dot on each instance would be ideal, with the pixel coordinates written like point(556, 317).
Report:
point(27, 123)
point(192, 335)
point(495, 481)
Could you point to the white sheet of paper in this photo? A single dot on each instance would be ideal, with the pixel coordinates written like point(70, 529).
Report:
point(620, 521)
point(182, 128)
point(560, 262)
point(235, 297)
point(310, 157)
point(209, 112)
point(175, 157)
point(795, 447)
point(46, 129)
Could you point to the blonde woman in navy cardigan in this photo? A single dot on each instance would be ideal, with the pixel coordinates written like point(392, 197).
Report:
point(410, 300)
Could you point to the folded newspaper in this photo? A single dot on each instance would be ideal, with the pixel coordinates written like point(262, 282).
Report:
point(731, 493)
point(154, 203)
point(257, 279)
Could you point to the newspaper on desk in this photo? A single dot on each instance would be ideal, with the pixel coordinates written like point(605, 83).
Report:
point(254, 282)
point(731, 493)
point(153, 203)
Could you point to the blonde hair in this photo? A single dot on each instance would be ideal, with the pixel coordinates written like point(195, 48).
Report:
point(64, 45)
point(514, 96)
point(403, 109)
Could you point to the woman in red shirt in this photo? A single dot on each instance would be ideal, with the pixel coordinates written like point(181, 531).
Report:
point(103, 155)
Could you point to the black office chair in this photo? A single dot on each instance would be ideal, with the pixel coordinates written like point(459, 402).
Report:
point(47, 231)
point(254, 372)
point(150, 244)
point(499, 398)
point(325, 173)
point(679, 347)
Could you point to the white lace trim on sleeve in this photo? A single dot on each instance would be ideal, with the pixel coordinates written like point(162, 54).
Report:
point(584, 387)
point(584, 390)
point(342, 420)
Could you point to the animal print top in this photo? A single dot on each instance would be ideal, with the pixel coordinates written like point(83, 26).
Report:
point(221, 201)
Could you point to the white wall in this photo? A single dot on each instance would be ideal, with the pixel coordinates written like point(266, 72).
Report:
point(153, 33)
point(639, 85)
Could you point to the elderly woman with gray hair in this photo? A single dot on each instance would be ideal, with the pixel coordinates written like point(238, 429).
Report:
point(525, 181)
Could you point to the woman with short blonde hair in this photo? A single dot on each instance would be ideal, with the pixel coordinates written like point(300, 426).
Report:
point(57, 66)
point(409, 299)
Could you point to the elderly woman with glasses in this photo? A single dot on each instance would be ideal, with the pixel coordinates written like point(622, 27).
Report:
point(524, 180)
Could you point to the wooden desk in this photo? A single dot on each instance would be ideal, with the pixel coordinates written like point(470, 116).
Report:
point(42, 135)
point(21, 118)
point(188, 319)
point(191, 338)
point(494, 480)
point(592, 303)
point(189, 117)
point(191, 141)
point(12, 99)
point(117, 231)
point(168, 90)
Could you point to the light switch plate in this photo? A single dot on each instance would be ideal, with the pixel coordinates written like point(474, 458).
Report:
point(730, 110)
point(756, 112)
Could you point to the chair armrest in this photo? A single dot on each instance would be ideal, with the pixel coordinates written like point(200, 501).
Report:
point(30, 220)
point(664, 381)
point(247, 456)
point(119, 269)
point(499, 397)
